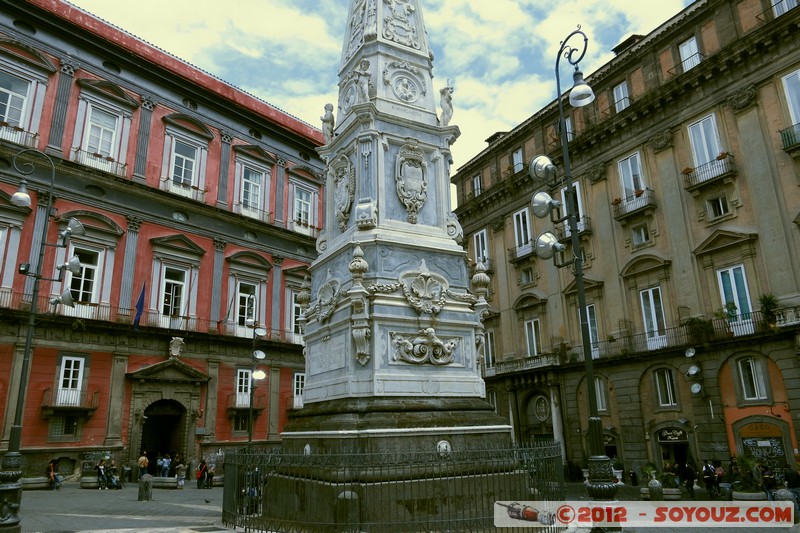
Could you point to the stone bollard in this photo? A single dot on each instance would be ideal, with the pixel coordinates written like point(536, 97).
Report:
point(655, 489)
point(146, 488)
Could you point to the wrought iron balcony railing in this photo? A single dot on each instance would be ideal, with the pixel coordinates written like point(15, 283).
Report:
point(692, 333)
point(713, 171)
point(99, 162)
point(640, 200)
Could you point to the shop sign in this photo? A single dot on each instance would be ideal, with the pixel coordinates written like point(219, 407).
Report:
point(672, 435)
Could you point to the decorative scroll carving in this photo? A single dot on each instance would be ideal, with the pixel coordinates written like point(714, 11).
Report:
point(344, 189)
point(356, 26)
point(411, 178)
point(454, 229)
point(359, 305)
point(596, 173)
point(405, 79)
point(322, 242)
point(424, 290)
point(328, 298)
point(426, 347)
point(399, 25)
point(743, 98)
point(366, 214)
point(661, 140)
point(176, 346)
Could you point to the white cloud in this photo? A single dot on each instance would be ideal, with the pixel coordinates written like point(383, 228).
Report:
point(500, 54)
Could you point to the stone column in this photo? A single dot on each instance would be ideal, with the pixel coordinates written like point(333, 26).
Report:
point(143, 139)
point(224, 164)
point(116, 399)
point(57, 125)
point(216, 286)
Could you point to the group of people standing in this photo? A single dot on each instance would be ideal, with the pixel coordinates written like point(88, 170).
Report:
point(176, 467)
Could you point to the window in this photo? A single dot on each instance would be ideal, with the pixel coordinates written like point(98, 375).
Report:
point(480, 250)
point(184, 164)
point(752, 378)
point(101, 132)
point(704, 140)
point(70, 381)
point(600, 393)
point(522, 232)
point(591, 319)
point(293, 313)
point(630, 172)
point(533, 337)
point(172, 290)
point(791, 85)
point(734, 294)
point(243, 383)
point(241, 422)
point(299, 384)
point(568, 123)
point(252, 183)
point(526, 276)
point(640, 235)
point(665, 387)
point(621, 99)
point(488, 350)
point(304, 212)
point(690, 57)
point(576, 196)
point(64, 426)
point(183, 168)
point(13, 98)
point(717, 207)
point(476, 185)
point(653, 317)
point(780, 7)
point(516, 159)
point(246, 308)
point(84, 285)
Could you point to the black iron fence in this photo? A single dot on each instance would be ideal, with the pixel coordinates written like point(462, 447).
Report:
point(452, 491)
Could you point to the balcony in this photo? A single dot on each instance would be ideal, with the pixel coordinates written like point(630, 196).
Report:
point(16, 301)
point(563, 233)
point(253, 212)
point(790, 138)
point(69, 402)
point(187, 191)
point(238, 403)
point(640, 201)
point(298, 226)
point(713, 172)
point(693, 332)
point(520, 252)
point(99, 162)
point(778, 8)
point(17, 135)
point(686, 65)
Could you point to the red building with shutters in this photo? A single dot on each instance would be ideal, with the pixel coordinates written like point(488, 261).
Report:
point(201, 205)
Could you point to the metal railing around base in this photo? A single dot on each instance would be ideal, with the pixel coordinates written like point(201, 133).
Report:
point(455, 491)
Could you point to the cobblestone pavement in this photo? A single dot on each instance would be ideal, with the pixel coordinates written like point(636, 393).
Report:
point(72, 509)
point(75, 510)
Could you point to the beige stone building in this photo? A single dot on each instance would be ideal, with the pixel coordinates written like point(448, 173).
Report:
point(686, 169)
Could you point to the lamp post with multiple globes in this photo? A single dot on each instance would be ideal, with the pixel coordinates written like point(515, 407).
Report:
point(10, 487)
point(602, 483)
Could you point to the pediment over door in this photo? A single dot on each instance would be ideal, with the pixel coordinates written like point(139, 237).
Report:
point(171, 371)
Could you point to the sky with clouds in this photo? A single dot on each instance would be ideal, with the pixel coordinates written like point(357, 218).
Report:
point(498, 54)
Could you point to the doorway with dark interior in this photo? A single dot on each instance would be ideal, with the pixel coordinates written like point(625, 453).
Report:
point(163, 431)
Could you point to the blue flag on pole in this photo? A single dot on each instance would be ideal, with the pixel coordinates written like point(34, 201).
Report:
point(139, 308)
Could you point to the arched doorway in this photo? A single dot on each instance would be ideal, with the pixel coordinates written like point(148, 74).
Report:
point(164, 430)
point(673, 446)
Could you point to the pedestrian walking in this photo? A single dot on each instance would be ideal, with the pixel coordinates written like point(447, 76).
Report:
point(102, 476)
point(180, 473)
point(202, 471)
point(165, 462)
point(53, 477)
point(143, 463)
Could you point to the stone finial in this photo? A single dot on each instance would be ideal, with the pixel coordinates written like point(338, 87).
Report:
point(358, 265)
point(481, 281)
point(304, 296)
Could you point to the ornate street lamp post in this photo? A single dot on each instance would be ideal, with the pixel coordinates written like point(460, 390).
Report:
point(11, 491)
point(602, 483)
point(257, 355)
